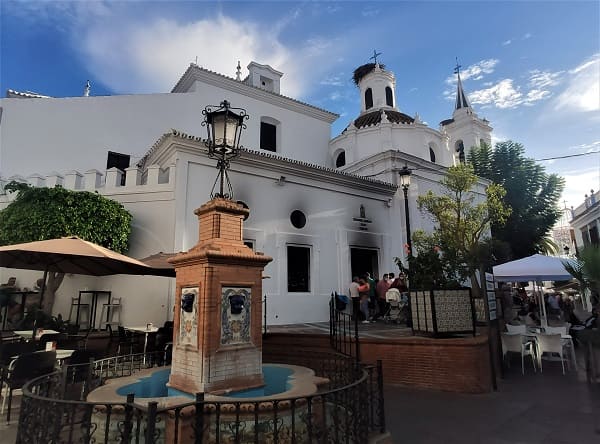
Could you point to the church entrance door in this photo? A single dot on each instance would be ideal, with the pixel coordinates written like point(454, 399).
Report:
point(363, 260)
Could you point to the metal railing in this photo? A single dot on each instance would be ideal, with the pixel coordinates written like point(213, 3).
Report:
point(345, 409)
point(343, 330)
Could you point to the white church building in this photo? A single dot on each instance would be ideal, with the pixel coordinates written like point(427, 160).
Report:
point(324, 209)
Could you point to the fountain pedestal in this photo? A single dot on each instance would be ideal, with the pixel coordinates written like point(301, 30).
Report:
point(217, 337)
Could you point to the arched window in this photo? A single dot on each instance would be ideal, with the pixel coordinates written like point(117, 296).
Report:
point(368, 98)
point(340, 160)
point(389, 97)
point(431, 155)
point(459, 146)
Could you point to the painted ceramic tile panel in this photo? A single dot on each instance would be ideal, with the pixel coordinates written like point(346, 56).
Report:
point(235, 315)
point(453, 310)
point(188, 321)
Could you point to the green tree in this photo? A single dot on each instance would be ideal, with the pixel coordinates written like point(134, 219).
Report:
point(462, 225)
point(532, 194)
point(49, 213)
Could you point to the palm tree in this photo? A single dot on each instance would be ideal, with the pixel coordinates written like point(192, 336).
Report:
point(586, 269)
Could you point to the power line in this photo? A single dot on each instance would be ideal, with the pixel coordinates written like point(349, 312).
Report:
point(570, 155)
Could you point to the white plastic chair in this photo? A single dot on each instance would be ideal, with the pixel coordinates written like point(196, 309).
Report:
point(563, 331)
point(517, 329)
point(550, 344)
point(514, 343)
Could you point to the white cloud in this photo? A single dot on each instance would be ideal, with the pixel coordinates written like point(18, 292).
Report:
point(370, 12)
point(507, 94)
point(475, 71)
point(578, 183)
point(131, 51)
point(586, 147)
point(334, 80)
point(150, 56)
point(543, 79)
point(506, 42)
point(502, 95)
point(527, 36)
point(582, 93)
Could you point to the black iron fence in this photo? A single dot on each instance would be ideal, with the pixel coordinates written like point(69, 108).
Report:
point(343, 328)
point(346, 408)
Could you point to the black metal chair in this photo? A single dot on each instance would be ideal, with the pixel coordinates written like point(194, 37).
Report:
point(79, 374)
point(75, 338)
point(9, 350)
point(126, 339)
point(23, 369)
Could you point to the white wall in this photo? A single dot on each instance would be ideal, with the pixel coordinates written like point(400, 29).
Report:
point(329, 232)
point(45, 135)
point(144, 298)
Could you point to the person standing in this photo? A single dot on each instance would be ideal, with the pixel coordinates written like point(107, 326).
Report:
point(354, 296)
point(372, 305)
point(381, 289)
point(363, 291)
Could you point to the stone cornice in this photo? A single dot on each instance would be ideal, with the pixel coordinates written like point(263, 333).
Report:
point(212, 78)
point(175, 141)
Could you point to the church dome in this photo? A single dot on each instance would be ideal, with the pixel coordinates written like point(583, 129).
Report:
point(374, 118)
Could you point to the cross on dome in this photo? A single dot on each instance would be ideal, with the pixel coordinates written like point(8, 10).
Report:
point(375, 55)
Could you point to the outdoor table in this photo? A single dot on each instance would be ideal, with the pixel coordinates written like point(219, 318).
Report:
point(61, 354)
point(28, 334)
point(93, 304)
point(146, 330)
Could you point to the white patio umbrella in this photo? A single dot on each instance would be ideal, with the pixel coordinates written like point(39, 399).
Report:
point(534, 268)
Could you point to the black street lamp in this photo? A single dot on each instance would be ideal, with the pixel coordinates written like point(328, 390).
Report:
point(224, 128)
point(405, 183)
point(566, 249)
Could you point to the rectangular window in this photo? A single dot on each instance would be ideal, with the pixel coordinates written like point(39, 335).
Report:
point(594, 238)
point(298, 266)
point(249, 243)
point(585, 236)
point(121, 161)
point(268, 137)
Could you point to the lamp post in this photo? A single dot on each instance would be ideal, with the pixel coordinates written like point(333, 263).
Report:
point(224, 125)
point(405, 183)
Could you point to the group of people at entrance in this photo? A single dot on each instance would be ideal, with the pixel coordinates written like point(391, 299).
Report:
point(368, 295)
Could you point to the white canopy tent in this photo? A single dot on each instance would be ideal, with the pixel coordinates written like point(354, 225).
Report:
point(534, 268)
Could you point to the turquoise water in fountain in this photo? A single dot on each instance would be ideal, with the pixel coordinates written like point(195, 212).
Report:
point(155, 385)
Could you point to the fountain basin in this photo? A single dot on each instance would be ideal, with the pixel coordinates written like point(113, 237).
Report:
point(252, 410)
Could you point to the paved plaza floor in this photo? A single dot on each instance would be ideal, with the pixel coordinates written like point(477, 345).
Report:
point(534, 408)
point(546, 408)
point(374, 330)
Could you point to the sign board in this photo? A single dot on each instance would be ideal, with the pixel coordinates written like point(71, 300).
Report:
point(491, 296)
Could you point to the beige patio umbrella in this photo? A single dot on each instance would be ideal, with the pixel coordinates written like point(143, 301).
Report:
point(76, 256)
point(159, 261)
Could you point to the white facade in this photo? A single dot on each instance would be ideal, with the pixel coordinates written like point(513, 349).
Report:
point(353, 213)
point(585, 221)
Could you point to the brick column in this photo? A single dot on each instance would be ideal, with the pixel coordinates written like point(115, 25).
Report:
point(217, 338)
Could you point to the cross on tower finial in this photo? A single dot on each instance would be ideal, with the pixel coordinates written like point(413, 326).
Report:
point(375, 54)
point(457, 67)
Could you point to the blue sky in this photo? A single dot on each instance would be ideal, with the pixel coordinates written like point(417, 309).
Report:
point(531, 68)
